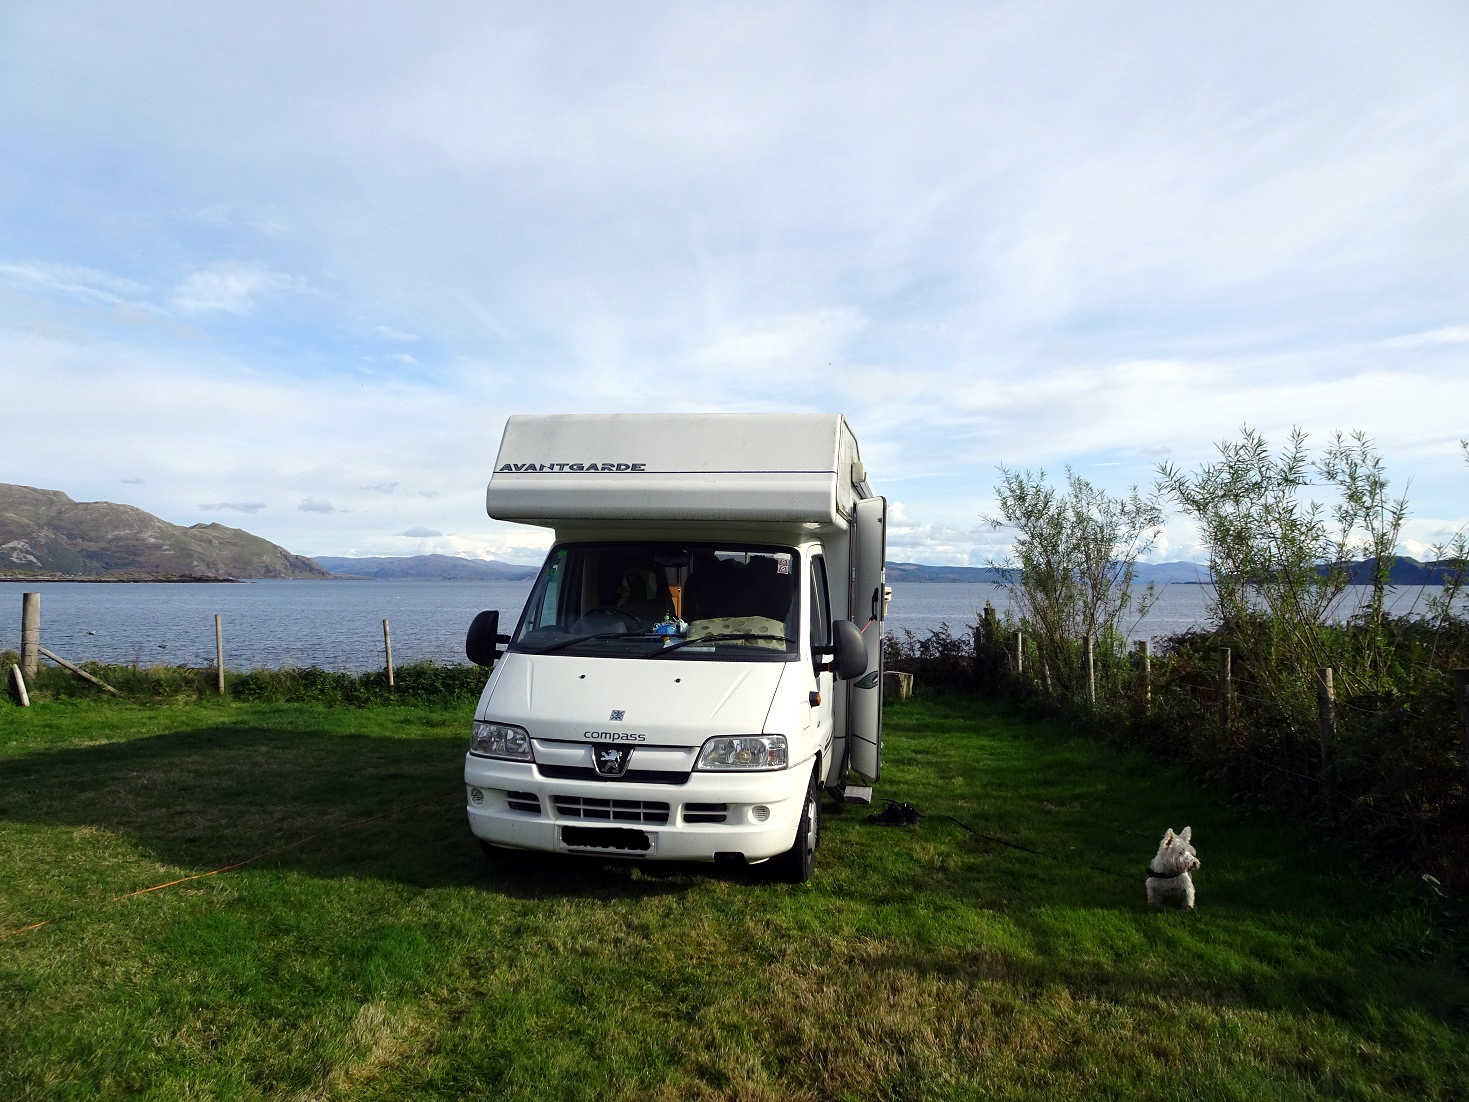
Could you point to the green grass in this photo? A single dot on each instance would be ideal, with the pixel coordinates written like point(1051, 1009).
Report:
point(371, 953)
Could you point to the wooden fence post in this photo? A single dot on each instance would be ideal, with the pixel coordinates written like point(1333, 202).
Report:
point(388, 646)
point(20, 686)
point(30, 633)
point(1461, 695)
point(219, 653)
point(1088, 659)
point(1019, 653)
point(83, 674)
point(1145, 652)
point(1226, 691)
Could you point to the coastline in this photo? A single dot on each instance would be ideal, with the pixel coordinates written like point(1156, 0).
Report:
point(47, 579)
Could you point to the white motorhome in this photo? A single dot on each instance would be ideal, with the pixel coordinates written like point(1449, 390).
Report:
point(701, 654)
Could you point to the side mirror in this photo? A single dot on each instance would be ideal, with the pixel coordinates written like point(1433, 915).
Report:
point(482, 643)
point(851, 653)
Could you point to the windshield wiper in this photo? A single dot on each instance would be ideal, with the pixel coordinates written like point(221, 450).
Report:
point(720, 637)
point(599, 635)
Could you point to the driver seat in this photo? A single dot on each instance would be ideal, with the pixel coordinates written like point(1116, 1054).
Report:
point(641, 594)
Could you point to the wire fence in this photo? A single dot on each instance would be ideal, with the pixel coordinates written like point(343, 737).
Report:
point(1387, 764)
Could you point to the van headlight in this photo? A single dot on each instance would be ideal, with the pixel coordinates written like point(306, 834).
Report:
point(500, 740)
point(746, 752)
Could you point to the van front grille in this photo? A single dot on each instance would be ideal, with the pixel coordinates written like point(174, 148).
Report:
point(611, 811)
point(632, 776)
point(705, 813)
point(526, 802)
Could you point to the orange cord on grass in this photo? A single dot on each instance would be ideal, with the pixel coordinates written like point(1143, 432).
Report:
point(224, 868)
point(129, 895)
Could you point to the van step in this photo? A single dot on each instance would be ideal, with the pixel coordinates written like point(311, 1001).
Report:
point(852, 794)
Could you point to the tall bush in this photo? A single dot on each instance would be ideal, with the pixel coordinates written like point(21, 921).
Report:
point(1074, 558)
point(1279, 553)
point(1452, 560)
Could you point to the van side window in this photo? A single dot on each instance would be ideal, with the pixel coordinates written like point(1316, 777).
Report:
point(820, 604)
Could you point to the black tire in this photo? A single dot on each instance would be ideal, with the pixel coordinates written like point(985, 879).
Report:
point(796, 864)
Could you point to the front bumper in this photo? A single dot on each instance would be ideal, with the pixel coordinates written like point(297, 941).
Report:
point(518, 807)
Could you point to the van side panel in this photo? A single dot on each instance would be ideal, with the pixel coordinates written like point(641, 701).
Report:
point(865, 715)
point(838, 548)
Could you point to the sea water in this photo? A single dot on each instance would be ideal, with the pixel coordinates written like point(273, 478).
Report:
point(338, 625)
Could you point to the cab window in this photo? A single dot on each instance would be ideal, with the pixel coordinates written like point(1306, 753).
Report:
point(820, 604)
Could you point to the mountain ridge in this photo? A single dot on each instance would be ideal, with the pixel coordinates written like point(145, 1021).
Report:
point(46, 536)
point(424, 567)
point(1162, 573)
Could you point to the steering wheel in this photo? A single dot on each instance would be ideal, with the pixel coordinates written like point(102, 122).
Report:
point(631, 618)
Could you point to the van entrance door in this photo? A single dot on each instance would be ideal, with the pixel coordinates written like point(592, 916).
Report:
point(864, 706)
point(821, 711)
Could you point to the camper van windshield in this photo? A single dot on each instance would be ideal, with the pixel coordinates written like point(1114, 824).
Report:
point(691, 601)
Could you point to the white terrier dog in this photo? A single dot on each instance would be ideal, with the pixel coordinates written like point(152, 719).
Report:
point(1168, 872)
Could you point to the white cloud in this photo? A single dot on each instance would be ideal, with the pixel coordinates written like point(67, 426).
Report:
point(1452, 334)
point(782, 345)
point(955, 540)
point(235, 506)
point(387, 332)
point(317, 505)
point(87, 283)
point(230, 287)
point(265, 222)
point(421, 533)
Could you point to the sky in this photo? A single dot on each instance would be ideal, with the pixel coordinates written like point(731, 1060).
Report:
point(289, 267)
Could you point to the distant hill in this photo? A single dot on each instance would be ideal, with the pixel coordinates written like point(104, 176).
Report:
point(45, 535)
point(1170, 573)
point(918, 572)
point(1404, 571)
point(1162, 573)
point(439, 568)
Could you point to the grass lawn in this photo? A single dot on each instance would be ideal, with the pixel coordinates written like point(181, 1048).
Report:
point(372, 953)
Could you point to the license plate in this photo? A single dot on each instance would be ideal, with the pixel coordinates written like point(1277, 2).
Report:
point(609, 839)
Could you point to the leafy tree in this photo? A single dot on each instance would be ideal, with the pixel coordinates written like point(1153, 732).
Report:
point(1279, 555)
point(1453, 559)
point(1076, 552)
point(1370, 520)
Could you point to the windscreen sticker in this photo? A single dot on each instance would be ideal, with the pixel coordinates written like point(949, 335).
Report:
point(782, 564)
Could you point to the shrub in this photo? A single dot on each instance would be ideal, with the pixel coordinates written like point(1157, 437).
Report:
point(1075, 555)
point(1278, 557)
point(419, 683)
point(940, 658)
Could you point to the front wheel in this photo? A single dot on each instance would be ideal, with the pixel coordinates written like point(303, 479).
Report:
point(796, 864)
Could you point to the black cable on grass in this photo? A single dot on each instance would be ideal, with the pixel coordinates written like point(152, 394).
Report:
point(895, 813)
